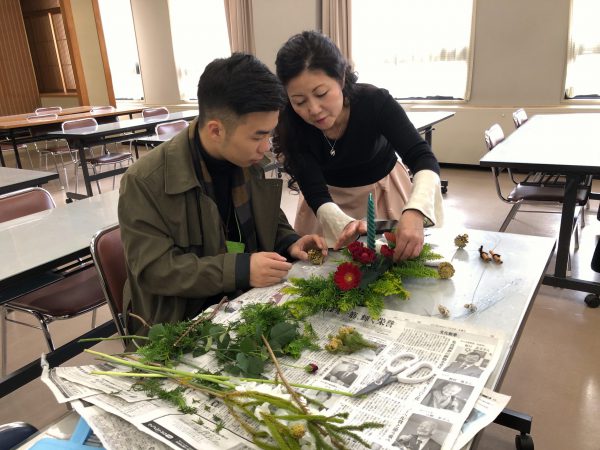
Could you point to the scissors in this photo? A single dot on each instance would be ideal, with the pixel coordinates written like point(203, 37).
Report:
point(400, 368)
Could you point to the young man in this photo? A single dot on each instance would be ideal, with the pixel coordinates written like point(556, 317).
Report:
point(198, 220)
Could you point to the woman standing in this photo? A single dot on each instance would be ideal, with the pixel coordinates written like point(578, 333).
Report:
point(341, 140)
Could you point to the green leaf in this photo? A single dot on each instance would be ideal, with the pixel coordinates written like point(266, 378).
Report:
point(247, 345)
point(156, 332)
point(282, 334)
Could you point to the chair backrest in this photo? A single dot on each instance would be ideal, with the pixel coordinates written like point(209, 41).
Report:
point(170, 128)
point(88, 122)
point(493, 136)
point(22, 203)
point(109, 258)
point(48, 109)
point(519, 117)
point(153, 112)
point(102, 109)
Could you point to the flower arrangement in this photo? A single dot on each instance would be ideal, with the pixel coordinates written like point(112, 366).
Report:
point(364, 278)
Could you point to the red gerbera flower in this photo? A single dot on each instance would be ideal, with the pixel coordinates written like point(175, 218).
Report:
point(365, 256)
point(347, 276)
point(387, 251)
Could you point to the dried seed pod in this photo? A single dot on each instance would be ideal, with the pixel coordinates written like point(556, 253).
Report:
point(484, 255)
point(495, 257)
point(445, 312)
point(471, 307)
point(461, 240)
point(445, 270)
point(315, 256)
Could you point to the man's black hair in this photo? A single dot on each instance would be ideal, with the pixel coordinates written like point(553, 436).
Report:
point(238, 85)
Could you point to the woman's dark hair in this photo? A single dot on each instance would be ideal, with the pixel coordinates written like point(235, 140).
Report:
point(309, 50)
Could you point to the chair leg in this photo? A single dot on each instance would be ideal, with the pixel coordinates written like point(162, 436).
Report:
point(62, 161)
point(94, 318)
point(511, 214)
point(29, 156)
point(62, 185)
point(97, 181)
point(46, 331)
point(3, 336)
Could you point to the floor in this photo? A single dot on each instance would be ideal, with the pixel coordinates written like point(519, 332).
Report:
point(554, 375)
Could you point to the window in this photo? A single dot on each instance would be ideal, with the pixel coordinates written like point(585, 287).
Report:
point(583, 65)
point(121, 49)
point(415, 49)
point(49, 51)
point(200, 35)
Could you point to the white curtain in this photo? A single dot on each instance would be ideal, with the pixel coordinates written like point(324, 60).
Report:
point(583, 60)
point(414, 48)
point(336, 21)
point(239, 24)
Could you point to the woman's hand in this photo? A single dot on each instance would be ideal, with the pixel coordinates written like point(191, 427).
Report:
point(409, 235)
point(350, 233)
point(298, 249)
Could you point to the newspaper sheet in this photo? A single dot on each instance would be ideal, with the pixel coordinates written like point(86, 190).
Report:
point(433, 411)
point(488, 406)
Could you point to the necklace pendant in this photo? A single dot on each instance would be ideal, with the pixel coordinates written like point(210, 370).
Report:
point(332, 152)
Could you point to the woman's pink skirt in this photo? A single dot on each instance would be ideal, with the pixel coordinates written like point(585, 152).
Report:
point(390, 195)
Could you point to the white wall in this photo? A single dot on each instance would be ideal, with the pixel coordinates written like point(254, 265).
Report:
point(276, 20)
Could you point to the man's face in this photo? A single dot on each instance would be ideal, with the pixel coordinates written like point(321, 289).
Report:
point(451, 389)
point(472, 358)
point(248, 142)
point(425, 429)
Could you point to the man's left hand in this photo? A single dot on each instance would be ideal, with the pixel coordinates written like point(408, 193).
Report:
point(298, 249)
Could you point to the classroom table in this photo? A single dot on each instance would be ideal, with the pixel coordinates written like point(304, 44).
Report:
point(424, 122)
point(31, 245)
point(26, 128)
point(15, 179)
point(503, 293)
point(124, 130)
point(558, 143)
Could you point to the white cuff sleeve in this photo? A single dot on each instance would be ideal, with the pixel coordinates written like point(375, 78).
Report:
point(426, 197)
point(333, 221)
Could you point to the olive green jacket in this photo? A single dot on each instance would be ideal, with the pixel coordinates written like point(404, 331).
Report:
point(171, 233)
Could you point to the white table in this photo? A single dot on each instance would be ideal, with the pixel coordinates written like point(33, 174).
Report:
point(502, 293)
point(33, 244)
point(558, 143)
point(15, 179)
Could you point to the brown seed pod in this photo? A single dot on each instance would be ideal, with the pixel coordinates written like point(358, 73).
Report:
point(315, 256)
point(484, 255)
point(461, 240)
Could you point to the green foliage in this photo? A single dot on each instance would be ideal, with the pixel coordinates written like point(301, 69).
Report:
point(379, 280)
point(153, 387)
point(347, 340)
point(239, 347)
point(246, 353)
point(161, 347)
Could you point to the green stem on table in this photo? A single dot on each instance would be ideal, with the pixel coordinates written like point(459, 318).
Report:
point(219, 379)
point(114, 338)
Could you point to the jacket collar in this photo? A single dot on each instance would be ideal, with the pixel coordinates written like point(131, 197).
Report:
point(179, 166)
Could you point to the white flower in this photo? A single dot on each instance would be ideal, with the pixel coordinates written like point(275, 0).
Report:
point(262, 409)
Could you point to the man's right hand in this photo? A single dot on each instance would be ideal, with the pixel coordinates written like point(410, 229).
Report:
point(267, 269)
